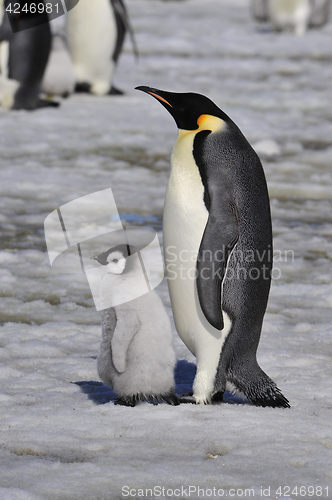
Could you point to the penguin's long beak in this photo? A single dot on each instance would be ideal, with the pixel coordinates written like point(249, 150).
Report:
point(178, 105)
point(157, 94)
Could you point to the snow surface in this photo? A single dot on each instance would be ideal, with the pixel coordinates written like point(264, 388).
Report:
point(61, 435)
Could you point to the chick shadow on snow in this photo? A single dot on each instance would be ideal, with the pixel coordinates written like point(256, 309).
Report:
point(184, 375)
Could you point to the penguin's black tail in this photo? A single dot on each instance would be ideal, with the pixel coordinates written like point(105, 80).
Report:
point(271, 396)
point(258, 388)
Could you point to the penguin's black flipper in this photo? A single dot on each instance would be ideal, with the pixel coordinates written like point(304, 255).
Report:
point(211, 267)
point(220, 236)
point(6, 32)
point(123, 25)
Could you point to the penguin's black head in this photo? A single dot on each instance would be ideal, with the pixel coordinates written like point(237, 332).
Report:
point(186, 108)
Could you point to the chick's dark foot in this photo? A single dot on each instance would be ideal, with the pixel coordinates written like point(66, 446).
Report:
point(126, 401)
point(171, 398)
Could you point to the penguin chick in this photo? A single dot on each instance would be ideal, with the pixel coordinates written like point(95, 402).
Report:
point(218, 249)
point(137, 356)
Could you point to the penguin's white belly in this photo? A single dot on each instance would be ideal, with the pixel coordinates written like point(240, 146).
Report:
point(4, 56)
point(8, 89)
point(293, 14)
point(59, 76)
point(91, 37)
point(185, 218)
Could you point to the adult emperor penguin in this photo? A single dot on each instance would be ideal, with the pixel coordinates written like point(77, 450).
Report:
point(95, 36)
point(295, 15)
point(218, 249)
point(29, 48)
point(137, 356)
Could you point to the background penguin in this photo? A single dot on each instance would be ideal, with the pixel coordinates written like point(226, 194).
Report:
point(8, 87)
point(291, 15)
point(59, 78)
point(137, 356)
point(259, 10)
point(318, 16)
point(217, 211)
point(95, 36)
point(29, 48)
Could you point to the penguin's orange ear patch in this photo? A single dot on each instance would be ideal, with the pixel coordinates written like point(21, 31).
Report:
point(160, 98)
point(210, 122)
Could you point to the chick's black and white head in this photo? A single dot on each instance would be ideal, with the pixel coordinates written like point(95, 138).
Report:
point(114, 259)
point(116, 262)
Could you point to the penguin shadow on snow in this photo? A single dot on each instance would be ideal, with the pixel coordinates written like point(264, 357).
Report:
point(184, 374)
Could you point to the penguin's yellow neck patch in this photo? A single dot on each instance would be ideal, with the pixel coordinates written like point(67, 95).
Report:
point(209, 122)
point(205, 122)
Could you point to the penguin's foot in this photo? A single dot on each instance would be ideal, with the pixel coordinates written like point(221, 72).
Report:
point(126, 401)
point(190, 398)
point(46, 103)
point(115, 91)
point(187, 398)
point(31, 105)
point(217, 397)
point(171, 398)
point(83, 87)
